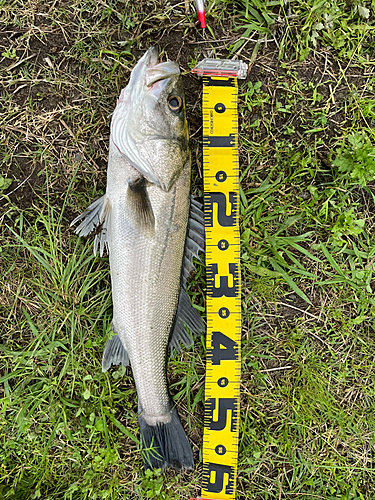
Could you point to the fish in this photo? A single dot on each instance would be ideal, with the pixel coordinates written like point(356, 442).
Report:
point(151, 228)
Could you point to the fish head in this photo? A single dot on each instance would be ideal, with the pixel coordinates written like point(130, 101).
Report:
point(149, 125)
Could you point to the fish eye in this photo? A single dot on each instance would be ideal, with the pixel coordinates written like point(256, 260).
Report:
point(175, 103)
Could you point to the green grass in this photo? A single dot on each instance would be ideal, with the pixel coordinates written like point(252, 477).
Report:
point(68, 431)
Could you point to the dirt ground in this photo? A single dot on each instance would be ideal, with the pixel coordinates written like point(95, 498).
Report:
point(43, 47)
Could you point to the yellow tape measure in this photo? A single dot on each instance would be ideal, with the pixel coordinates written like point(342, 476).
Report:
point(223, 366)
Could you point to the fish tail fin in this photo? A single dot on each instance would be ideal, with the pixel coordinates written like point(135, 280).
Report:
point(166, 443)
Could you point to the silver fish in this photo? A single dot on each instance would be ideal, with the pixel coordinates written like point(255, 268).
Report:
point(143, 221)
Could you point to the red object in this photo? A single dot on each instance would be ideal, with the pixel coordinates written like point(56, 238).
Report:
point(202, 20)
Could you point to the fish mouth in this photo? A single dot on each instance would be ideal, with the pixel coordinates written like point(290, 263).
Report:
point(153, 74)
point(147, 80)
point(156, 71)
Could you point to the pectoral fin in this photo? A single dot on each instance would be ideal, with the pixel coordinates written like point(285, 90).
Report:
point(139, 204)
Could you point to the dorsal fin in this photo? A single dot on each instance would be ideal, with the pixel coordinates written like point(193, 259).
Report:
point(186, 315)
point(194, 239)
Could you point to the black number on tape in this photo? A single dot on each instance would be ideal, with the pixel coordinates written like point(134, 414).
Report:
point(219, 141)
point(222, 349)
point(217, 484)
point(225, 405)
point(224, 289)
point(221, 200)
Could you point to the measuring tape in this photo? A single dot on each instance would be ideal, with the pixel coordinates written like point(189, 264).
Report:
point(223, 301)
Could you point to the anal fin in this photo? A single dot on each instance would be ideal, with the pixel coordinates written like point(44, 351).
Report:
point(114, 354)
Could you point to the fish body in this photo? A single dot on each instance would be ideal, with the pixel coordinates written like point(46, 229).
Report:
point(143, 220)
point(146, 279)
